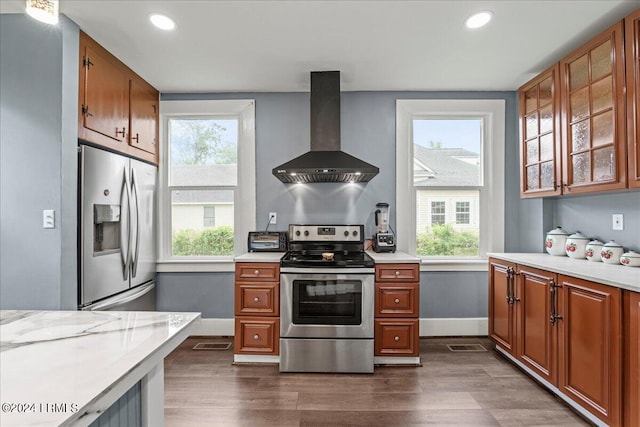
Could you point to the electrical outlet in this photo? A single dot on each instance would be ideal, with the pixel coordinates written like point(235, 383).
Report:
point(618, 221)
point(48, 218)
point(273, 217)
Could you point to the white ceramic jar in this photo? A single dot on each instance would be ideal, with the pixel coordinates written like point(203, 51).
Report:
point(575, 245)
point(592, 250)
point(555, 242)
point(630, 259)
point(611, 253)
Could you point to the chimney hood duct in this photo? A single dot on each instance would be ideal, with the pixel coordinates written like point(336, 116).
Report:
point(325, 162)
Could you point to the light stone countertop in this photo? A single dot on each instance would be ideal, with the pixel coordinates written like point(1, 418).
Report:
point(260, 257)
point(618, 276)
point(392, 257)
point(79, 361)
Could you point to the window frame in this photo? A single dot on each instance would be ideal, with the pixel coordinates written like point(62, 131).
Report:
point(443, 214)
point(467, 213)
point(491, 200)
point(244, 193)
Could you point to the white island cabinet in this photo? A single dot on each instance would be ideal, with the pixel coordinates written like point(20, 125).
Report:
point(68, 367)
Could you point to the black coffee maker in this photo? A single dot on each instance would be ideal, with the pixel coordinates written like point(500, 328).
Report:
point(383, 240)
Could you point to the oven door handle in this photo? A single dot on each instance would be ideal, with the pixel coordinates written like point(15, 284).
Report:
point(329, 270)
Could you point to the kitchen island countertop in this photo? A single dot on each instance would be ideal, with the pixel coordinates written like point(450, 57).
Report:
point(68, 367)
point(618, 276)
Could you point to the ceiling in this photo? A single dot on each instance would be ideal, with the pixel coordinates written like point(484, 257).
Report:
point(265, 46)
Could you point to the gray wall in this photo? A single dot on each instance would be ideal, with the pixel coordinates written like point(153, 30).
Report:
point(368, 132)
point(592, 216)
point(38, 130)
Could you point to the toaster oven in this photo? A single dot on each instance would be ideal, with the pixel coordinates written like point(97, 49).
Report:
point(267, 241)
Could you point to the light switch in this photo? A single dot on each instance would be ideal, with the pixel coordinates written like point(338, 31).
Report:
point(48, 218)
point(618, 221)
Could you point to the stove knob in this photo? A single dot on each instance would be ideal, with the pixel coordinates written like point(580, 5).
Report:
point(355, 233)
point(346, 234)
point(306, 232)
point(298, 233)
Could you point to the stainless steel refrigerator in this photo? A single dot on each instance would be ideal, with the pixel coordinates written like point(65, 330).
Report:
point(117, 239)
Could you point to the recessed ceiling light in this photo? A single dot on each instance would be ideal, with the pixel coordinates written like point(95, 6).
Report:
point(479, 19)
point(43, 10)
point(163, 22)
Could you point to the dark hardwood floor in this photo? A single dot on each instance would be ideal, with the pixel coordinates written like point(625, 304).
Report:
point(203, 388)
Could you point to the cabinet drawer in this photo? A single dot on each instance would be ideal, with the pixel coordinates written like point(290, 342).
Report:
point(255, 335)
point(395, 337)
point(397, 299)
point(258, 271)
point(397, 273)
point(257, 298)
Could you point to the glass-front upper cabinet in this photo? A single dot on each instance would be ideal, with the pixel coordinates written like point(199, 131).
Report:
point(593, 119)
point(539, 102)
point(632, 46)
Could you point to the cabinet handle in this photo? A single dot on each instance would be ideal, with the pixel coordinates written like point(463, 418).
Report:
point(554, 317)
point(256, 272)
point(256, 299)
point(397, 300)
point(85, 111)
point(396, 338)
point(135, 138)
point(509, 297)
point(256, 337)
point(122, 132)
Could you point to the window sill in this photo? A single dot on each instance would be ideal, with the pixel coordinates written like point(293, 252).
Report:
point(454, 265)
point(195, 266)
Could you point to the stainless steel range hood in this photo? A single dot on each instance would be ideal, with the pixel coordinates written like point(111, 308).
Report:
point(325, 162)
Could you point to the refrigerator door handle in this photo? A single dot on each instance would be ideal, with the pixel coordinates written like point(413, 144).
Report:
point(144, 289)
point(134, 185)
point(126, 259)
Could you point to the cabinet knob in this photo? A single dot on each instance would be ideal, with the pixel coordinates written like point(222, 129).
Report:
point(396, 338)
point(256, 299)
point(397, 273)
point(256, 272)
point(256, 337)
point(397, 300)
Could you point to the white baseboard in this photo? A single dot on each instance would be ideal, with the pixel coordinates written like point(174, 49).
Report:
point(477, 326)
point(454, 327)
point(215, 327)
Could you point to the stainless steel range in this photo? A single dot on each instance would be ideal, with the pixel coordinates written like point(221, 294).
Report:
point(326, 303)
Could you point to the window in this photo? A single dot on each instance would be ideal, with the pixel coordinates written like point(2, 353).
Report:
point(437, 213)
point(463, 210)
point(450, 179)
point(208, 178)
point(209, 216)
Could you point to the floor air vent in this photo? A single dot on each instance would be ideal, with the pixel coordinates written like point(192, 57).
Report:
point(465, 347)
point(212, 346)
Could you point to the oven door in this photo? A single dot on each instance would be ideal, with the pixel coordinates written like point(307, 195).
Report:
point(326, 303)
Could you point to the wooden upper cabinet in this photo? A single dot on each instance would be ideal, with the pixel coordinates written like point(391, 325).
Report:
point(104, 104)
point(632, 47)
point(116, 108)
point(143, 101)
point(540, 144)
point(593, 115)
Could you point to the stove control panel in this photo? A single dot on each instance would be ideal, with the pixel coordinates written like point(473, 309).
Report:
point(326, 233)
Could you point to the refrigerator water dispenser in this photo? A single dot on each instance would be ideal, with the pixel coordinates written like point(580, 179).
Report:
point(106, 233)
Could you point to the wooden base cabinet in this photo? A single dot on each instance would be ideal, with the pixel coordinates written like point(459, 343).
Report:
point(501, 310)
point(590, 320)
point(632, 359)
point(537, 338)
point(257, 309)
point(397, 309)
point(567, 331)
